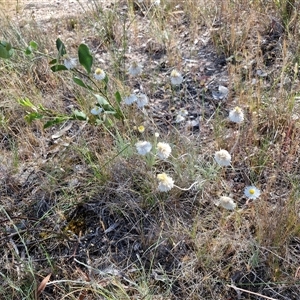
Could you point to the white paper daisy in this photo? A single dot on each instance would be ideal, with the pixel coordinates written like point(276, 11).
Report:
point(135, 69)
point(236, 115)
point(163, 150)
point(252, 192)
point(223, 158)
point(176, 78)
point(99, 74)
point(96, 110)
point(69, 62)
point(142, 100)
point(143, 147)
point(130, 99)
point(226, 202)
point(166, 183)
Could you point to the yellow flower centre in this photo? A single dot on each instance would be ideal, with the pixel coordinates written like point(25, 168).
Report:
point(162, 177)
point(252, 191)
point(141, 129)
point(174, 73)
point(98, 71)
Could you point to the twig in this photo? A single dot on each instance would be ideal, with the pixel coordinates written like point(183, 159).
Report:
point(249, 292)
point(187, 188)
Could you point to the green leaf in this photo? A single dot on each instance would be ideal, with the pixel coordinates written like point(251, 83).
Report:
point(27, 103)
point(61, 47)
point(108, 122)
point(57, 68)
point(110, 112)
point(119, 115)
point(33, 116)
point(118, 97)
point(79, 82)
point(107, 107)
point(42, 108)
point(85, 57)
point(7, 45)
point(6, 50)
point(105, 79)
point(53, 61)
point(79, 115)
point(55, 121)
point(101, 100)
point(28, 50)
point(33, 45)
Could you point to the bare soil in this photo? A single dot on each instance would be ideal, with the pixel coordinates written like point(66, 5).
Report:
point(41, 10)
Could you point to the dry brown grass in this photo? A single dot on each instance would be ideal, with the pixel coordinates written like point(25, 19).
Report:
point(85, 207)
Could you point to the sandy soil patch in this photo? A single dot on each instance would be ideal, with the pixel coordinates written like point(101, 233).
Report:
point(42, 10)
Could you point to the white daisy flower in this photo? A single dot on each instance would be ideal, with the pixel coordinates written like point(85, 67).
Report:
point(252, 192)
point(226, 202)
point(223, 158)
point(176, 77)
point(143, 147)
point(183, 112)
point(156, 134)
point(70, 62)
point(96, 110)
point(135, 69)
point(166, 183)
point(163, 150)
point(179, 118)
point(142, 100)
point(99, 74)
point(236, 115)
point(130, 99)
